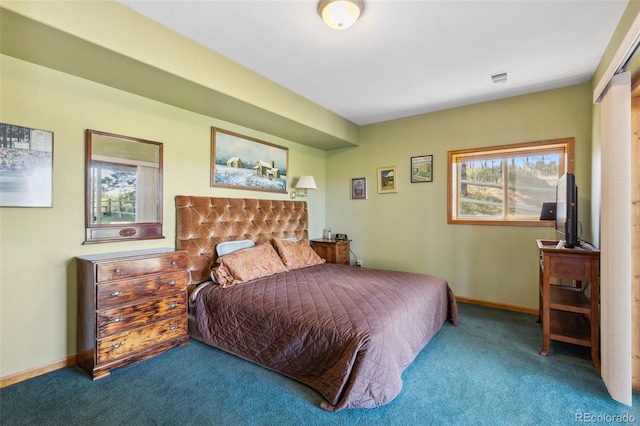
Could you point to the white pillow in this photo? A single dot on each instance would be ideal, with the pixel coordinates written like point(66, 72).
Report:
point(228, 247)
point(292, 239)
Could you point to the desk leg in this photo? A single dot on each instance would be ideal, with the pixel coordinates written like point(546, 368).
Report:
point(540, 272)
point(545, 301)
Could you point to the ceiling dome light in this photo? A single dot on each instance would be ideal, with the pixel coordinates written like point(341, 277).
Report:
point(340, 14)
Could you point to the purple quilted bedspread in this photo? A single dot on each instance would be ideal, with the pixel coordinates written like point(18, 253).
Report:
point(347, 332)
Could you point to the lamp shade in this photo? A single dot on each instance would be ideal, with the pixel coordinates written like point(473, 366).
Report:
point(340, 14)
point(306, 182)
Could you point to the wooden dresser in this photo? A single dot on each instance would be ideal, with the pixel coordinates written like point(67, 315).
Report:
point(131, 306)
point(333, 251)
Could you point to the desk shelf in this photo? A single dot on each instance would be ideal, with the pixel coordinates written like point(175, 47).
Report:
point(566, 313)
point(569, 299)
point(569, 328)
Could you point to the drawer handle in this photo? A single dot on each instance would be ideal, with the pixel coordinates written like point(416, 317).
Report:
point(173, 327)
point(127, 232)
point(115, 293)
point(117, 271)
point(173, 305)
point(116, 346)
point(173, 282)
point(117, 319)
point(174, 263)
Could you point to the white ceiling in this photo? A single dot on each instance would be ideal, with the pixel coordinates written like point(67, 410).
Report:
point(402, 58)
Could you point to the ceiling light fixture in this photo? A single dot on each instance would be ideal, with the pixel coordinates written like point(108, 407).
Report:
point(340, 14)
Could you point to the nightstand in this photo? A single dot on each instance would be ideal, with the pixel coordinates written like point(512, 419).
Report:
point(333, 251)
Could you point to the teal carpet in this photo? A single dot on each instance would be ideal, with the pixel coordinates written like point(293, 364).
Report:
point(486, 371)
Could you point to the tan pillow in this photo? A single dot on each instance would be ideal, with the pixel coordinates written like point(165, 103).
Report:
point(296, 255)
point(248, 264)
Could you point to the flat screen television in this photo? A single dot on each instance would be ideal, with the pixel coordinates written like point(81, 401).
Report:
point(567, 210)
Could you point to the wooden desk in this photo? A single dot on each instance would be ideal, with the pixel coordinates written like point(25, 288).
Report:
point(566, 313)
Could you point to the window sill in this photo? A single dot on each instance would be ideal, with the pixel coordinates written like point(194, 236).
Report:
point(491, 222)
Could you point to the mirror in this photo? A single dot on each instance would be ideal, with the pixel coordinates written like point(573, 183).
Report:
point(123, 188)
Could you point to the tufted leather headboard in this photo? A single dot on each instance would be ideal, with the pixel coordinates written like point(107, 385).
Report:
point(203, 222)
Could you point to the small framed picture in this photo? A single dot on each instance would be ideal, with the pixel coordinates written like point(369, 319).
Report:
point(359, 188)
point(422, 169)
point(387, 180)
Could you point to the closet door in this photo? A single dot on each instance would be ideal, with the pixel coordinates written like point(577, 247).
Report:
point(615, 271)
point(635, 237)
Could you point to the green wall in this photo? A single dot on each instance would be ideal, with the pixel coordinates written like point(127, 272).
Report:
point(38, 245)
point(408, 230)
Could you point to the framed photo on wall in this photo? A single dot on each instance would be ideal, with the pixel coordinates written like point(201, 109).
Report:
point(359, 188)
point(387, 180)
point(242, 162)
point(422, 169)
point(26, 167)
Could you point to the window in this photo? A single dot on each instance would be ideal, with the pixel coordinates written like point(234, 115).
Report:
point(506, 185)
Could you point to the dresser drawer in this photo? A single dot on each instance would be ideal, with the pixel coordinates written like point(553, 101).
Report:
point(132, 342)
point(342, 253)
point(134, 268)
point(116, 320)
point(118, 293)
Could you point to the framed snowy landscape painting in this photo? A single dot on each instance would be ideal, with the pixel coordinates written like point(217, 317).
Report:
point(242, 162)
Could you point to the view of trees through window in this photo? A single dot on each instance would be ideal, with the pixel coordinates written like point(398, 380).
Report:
point(531, 181)
point(506, 184)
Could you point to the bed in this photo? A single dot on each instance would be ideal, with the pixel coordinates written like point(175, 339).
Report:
point(345, 331)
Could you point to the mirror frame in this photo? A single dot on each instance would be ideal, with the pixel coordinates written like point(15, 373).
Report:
point(102, 233)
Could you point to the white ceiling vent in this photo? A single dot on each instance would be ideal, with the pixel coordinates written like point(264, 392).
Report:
point(499, 78)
